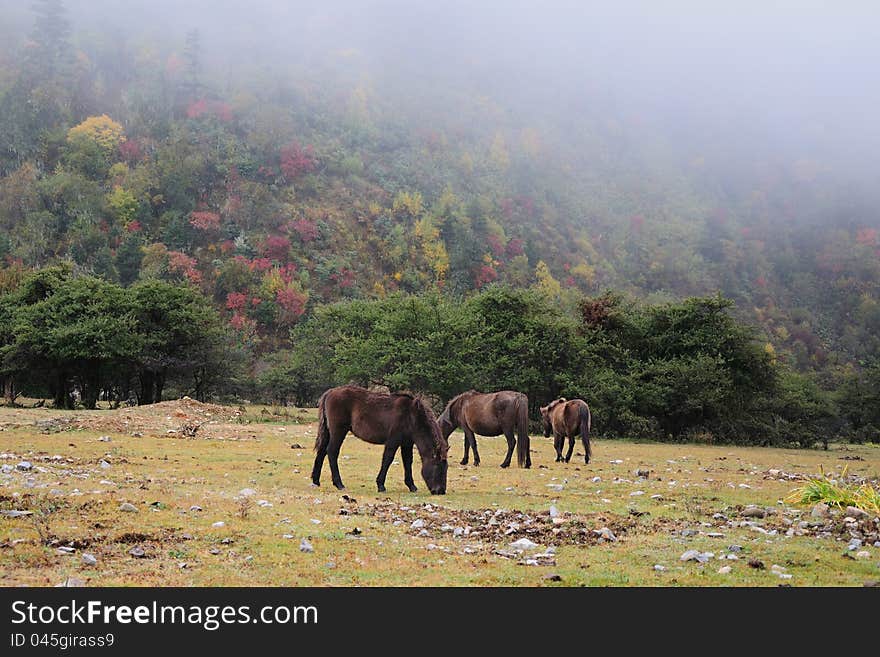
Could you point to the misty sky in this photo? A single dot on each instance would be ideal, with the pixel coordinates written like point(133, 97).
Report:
point(803, 74)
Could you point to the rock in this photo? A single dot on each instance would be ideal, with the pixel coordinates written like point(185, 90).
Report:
point(128, 507)
point(89, 559)
point(219, 523)
point(195, 507)
point(854, 544)
point(418, 523)
point(305, 546)
point(724, 570)
point(820, 510)
point(72, 582)
point(756, 564)
point(264, 504)
point(13, 513)
point(715, 535)
point(553, 577)
point(856, 513)
point(659, 568)
point(556, 487)
point(247, 492)
point(636, 493)
point(137, 552)
point(605, 533)
point(6, 468)
point(523, 544)
point(24, 466)
point(696, 555)
point(104, 439)
point(735, 548)
point(753, 512)
point(656, 496)
point(596, 480)
point(104, 464)
point(642, 473)
point(64, 550)
point(288, 536)
point(863, 554)
point(554, 512)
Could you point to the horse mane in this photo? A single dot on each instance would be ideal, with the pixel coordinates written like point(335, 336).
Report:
point(428, 417)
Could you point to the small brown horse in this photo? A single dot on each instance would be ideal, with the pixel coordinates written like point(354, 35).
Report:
point(490, 414)
point(394, 420)
point(567, 418)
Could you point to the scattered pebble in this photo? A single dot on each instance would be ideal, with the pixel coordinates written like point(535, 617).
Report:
point(305, 546)
point(129, 507)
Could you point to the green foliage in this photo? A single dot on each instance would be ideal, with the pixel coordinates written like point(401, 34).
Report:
point(67, 336)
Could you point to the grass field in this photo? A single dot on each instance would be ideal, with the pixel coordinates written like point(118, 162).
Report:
point(249, 470)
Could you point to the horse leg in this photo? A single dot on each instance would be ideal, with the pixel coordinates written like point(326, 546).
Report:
point(319, 463)
point(558, 443)
point(333, 447)
point(511, 444)
point(570, 448)
point(387, 456)
point(406, 454)
point(473, 440)
point(467, 445)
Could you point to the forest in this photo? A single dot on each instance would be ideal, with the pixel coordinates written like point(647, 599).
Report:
point(178, 221)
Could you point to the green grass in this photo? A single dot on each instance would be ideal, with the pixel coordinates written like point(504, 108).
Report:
point(839, 494)
point(695, 482)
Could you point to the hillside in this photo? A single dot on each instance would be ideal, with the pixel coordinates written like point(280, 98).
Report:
point(278, 187)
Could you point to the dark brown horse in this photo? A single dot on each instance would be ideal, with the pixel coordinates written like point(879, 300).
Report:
point(567, 418)
point(490, 414)
point(394, 420)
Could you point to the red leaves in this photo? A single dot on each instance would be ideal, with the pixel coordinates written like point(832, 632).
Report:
point(307, 230)
point(205, 220)
point(204, 107)
point(277, 247)
point(130, 150)
point(515, 247)
point(296, 161)
point(496, 245)
point(181, 263)
point(485, 274)
point(867, 236)
point(236, 301)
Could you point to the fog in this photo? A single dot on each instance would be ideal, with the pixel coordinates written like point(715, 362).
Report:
point(736, 83)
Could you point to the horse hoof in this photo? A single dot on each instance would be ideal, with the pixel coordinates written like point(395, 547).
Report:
point(316, 484)
point(505, 465)
point(381, 489)
point(463, 462)
point(339, 486)
point(412, 489)
point(476, 464)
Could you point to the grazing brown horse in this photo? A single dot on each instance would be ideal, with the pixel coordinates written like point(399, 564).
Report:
point(394, 420)
point(567, 418)
point(490, 414)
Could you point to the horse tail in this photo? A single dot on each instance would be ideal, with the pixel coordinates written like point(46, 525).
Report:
point(585, 422)
point(323, 436)
point(521, 408)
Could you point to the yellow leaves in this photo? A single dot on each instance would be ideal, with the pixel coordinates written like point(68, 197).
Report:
point(102, 130)
point(397, 276)
point(466, 161)
point(374, 209)
point(771, 352)
point(433, 247)
point(545, 281)
point(271, 283)
point(782, 333)
point(584, 272)
point(379, 290)
point(530, 141)
point(408, 202)
point(498, 153)
point(123, 205)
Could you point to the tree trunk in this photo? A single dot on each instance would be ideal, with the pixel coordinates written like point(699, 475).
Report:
point(160, 385)
point(148, 384)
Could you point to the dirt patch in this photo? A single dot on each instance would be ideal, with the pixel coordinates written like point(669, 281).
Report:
point(503, 526)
